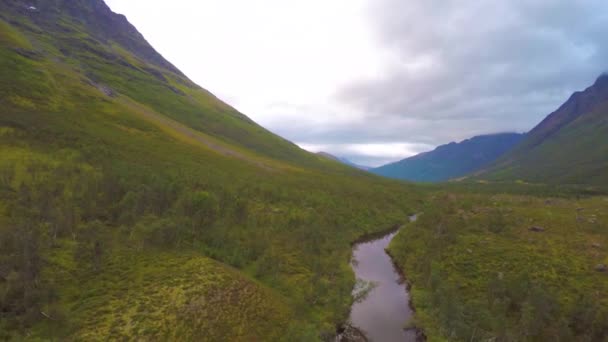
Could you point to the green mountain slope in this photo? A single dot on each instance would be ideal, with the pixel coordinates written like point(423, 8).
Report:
point(452, 160)
point(570, 146)
point(134, 204)
point(110, 55)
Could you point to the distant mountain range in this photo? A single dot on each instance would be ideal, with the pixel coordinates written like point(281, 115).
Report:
point(452, 160)
point(343, 161)
point(568, 146)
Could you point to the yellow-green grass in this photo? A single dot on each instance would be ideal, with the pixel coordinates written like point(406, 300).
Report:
point(12, 37)
point(159, 295)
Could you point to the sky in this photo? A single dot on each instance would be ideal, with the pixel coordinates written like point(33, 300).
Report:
point(376, 81)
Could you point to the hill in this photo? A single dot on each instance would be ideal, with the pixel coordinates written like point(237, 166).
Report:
point(452, 160)
point(569, 146)
point(135, 204)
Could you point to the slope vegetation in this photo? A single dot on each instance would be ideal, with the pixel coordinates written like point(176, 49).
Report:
point(508, 267)
point(569, 146)
point(134, 204)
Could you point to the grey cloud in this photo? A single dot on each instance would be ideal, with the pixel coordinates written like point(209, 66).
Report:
point(492, 66)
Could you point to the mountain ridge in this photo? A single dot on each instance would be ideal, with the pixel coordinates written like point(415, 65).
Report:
point(451, 160)
point(101, 21)
point(578, 104)
point(113, 56)
point(570, 145)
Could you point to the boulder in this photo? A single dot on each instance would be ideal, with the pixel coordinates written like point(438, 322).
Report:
point(537, 229)
point(601, 268)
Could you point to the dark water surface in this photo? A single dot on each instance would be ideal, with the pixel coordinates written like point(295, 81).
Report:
point(385, 310)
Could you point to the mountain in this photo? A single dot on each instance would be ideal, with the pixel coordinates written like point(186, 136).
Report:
point(134, 204)
point(569, 146)
point(343, 161)
point(109, 54)
point(452, 160)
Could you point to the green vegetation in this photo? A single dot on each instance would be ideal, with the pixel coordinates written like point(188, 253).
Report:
point(135, 204)
point(569, 147)
point(12, 37)
point(508, 267)
point(166, 296)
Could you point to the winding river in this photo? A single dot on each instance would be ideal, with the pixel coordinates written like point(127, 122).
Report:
point(382, 314)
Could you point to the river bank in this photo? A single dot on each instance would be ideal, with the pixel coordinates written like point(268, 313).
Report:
point(384, 307)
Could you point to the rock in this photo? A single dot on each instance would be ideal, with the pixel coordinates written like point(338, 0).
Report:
point(596, 245)
point(601, 268)
point(349, 333)
point(106, 90)
point(29, 54)
point(537, 229)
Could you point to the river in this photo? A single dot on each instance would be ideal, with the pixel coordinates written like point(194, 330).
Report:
point(382, 314)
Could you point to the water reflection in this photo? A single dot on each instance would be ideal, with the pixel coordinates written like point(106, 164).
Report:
point(381, 315)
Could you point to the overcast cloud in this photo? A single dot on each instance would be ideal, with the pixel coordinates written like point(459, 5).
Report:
point(379, 80)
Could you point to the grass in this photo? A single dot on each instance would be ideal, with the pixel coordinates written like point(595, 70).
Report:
point(12, 37)
point(159, 295)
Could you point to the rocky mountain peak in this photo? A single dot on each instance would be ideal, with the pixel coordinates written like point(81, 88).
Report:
point(602, 80)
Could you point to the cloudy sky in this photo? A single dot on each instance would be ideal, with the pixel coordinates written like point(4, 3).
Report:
point(379, 80)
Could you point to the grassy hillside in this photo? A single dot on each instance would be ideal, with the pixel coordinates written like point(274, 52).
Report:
point(577, 154)
point(135, 203)
point(569, 147)
point(452, 160)
point(508, 267)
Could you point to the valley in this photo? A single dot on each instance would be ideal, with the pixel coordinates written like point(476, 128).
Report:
point(136, 205)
